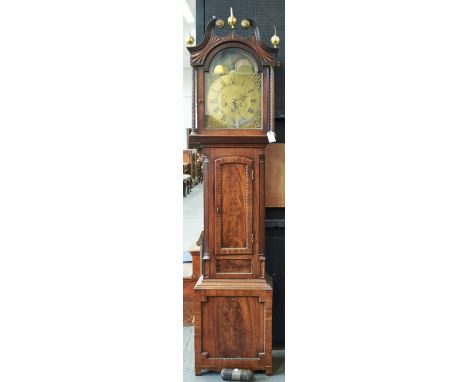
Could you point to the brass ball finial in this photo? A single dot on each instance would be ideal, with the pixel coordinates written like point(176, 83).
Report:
point(245, 24)
point(275, 40)
point(232, 20)
point(219, 23)
point(190, 40)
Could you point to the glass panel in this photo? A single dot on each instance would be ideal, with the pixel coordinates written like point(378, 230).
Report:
point(233, 91)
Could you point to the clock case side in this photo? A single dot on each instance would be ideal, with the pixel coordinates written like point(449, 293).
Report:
point(201, 56)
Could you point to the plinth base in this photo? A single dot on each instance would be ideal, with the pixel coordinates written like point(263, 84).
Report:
point(233, 324)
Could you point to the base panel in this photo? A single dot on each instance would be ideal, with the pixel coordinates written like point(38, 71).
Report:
point(233, 326)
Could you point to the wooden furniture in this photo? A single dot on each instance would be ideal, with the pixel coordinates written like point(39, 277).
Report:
point(187, 161)
point(274, 175)
point(187, 183)
point(190, 165)
point(189, 283)
point(199, 167)
point(233, 79)
point(185, 168)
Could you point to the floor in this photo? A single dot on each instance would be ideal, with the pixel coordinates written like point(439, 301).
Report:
point(189, 375)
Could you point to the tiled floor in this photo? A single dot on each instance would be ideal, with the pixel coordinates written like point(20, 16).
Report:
point(189, 375)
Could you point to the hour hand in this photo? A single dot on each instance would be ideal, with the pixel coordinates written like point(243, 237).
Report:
point(233, 105)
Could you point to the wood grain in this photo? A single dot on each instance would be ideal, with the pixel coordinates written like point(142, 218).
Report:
point(233, 266)
point(233, 203)
point(236, 326)
point(274, 177)
point(189, 284)
point(252, 231)
point(201, 56)
point(233, 307)
point(187, 156)
point(233, 324)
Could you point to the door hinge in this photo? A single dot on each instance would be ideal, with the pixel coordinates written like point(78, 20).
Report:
point(252, 238)
point(252, 174)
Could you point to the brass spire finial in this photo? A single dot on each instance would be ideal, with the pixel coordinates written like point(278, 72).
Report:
point(190, 40)
point(232, 20)
point(275, 40)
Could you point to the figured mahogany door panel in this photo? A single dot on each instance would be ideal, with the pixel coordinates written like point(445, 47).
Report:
point(233, 267)
point(233, 327)
point(233, 205)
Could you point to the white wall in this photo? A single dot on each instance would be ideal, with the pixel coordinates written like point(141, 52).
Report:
point(188, 28)
point(187, 102)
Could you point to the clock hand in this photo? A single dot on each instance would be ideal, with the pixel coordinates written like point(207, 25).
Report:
point(234, 105)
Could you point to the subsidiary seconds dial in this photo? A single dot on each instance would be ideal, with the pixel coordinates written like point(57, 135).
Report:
point(234, 100)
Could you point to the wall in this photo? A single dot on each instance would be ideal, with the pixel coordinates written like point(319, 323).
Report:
point(189, 28)
point(187, 104)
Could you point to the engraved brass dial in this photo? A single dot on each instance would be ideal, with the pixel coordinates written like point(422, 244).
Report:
point(234, 100)
point(233, 91)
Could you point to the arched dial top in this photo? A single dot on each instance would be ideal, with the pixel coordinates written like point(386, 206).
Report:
point(233, 80)
point(199, 53)
point(233, 88)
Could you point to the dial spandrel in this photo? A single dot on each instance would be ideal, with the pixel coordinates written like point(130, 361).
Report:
point(233, 92)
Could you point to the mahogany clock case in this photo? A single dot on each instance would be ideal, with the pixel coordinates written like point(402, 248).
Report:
point(201, 57)
point(266, 13)
point(234, 212)
point(233, 296)
point(233, 324)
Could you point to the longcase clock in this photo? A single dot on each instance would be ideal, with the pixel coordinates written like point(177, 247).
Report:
point(233, 110)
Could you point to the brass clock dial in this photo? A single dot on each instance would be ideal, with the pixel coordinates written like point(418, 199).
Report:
point(233, 91)
point(234, 100)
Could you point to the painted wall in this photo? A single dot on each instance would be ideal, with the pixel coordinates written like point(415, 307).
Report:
point(186, 103)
